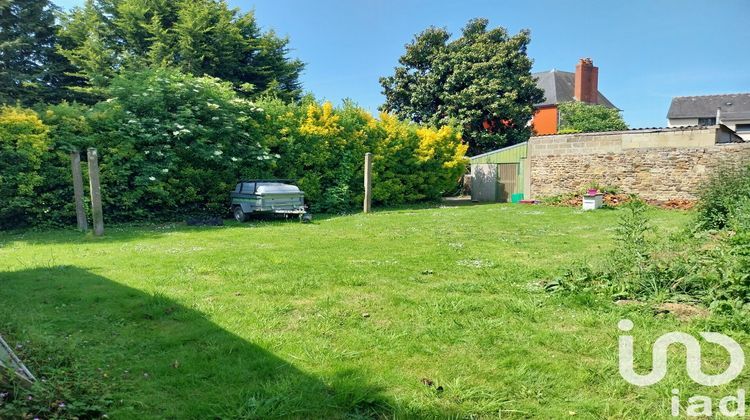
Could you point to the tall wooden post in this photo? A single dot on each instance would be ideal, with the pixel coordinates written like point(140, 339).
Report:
point(75, 166)
point(368, 182)
point(96, 196)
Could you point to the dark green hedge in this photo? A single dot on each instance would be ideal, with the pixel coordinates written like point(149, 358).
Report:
point(172, 145)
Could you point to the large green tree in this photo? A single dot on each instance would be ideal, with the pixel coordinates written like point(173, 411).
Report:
point(579, 117)
point(196, 36)
point(481, 81)
point(31, 71)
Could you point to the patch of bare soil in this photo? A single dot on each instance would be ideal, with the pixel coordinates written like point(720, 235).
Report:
point(673, 204)
point(682, 311)
point(626, 302)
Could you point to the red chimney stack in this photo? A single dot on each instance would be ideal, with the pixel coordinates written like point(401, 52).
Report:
point(586, 87)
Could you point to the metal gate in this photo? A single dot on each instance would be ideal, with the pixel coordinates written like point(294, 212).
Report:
point(492, 182)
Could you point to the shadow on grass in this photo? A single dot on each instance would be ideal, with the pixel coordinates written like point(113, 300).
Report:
point(160, 359)
point(131, 232)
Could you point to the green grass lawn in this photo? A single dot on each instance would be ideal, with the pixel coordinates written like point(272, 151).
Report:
point(432, 312)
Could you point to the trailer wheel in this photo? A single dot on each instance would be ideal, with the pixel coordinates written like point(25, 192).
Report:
point(239, 215)
point(305, 218)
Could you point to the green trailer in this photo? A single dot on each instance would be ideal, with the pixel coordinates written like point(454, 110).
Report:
point(269, 196)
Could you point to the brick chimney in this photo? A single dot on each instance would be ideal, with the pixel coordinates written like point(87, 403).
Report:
point(586, 87)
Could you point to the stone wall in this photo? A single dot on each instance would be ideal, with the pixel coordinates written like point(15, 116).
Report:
point(655, 164)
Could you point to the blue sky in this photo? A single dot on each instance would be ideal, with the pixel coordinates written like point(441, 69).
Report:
point(647, 51)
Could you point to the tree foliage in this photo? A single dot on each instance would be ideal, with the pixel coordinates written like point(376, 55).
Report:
point(200, 37)
point(579, 117)
point(323, 147)
point(172, 94)
point(481, 81)
point(172, 144)
point(31, 71)
point(23, 142)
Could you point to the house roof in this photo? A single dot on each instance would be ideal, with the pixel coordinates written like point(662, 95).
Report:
point(559, 86)
point(504, 149)
point(733, 106)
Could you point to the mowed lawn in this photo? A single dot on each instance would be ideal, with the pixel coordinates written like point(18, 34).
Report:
point(415, 313)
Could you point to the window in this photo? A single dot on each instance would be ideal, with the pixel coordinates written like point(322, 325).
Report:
point(248, 188)
point(707, 121)
point(744, 128)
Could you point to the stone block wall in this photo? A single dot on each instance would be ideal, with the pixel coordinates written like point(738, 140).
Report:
point(657, 165)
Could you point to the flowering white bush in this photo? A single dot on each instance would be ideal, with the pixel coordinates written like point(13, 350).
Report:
point(163, 153)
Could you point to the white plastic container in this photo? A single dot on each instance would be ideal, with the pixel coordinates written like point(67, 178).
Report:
point(592, 201)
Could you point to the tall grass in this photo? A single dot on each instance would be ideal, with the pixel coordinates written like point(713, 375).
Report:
point(724, 198)
point(708, 262)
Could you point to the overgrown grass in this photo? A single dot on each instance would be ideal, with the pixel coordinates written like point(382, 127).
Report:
point(414, 313)
point(706, 262)
point(726, 197)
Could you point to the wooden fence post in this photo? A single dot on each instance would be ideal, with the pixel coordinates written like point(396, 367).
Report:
point(368, 182)
point(75, 165)
point(96, 196)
